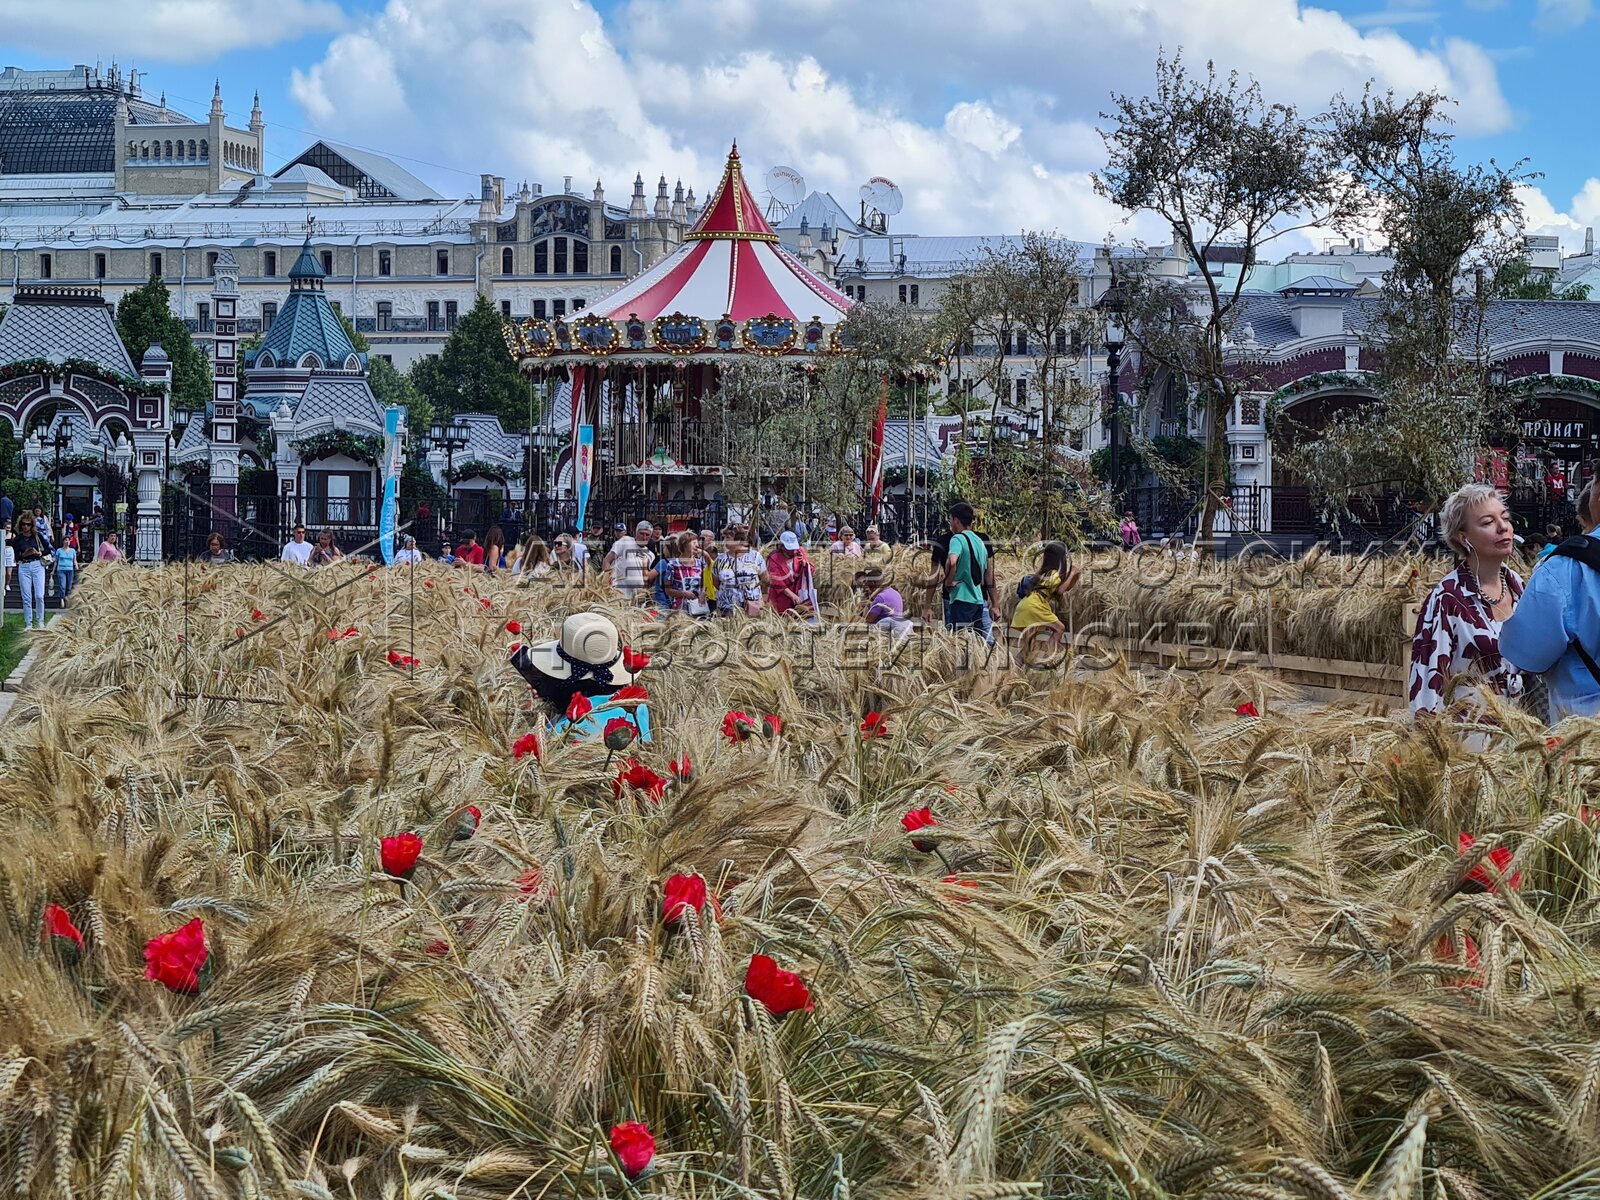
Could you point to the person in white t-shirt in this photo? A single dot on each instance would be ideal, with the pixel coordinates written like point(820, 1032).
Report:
point(632, 566)
point(299, 550)
point(408, 552)
point(580, 552)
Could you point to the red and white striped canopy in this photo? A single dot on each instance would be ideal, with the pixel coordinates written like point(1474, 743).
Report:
point(730, 264)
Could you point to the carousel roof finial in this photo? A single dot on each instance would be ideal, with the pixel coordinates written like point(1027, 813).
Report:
point(732, 211)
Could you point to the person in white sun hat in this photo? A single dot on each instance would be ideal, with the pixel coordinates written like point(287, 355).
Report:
point(586, 658)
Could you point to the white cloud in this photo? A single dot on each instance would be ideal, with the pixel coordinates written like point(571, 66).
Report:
point(1561, 15)
point(984, 116)
point(162, 30)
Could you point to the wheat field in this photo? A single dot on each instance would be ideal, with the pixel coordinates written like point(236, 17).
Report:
point(1154, 948)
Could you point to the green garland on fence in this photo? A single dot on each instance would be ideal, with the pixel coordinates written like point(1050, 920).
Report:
point(195, 466)
point(360, 446)
point(1529, 385)
point(58, 371)
point(89, 464)
point(476, 466)
point(1325, 379)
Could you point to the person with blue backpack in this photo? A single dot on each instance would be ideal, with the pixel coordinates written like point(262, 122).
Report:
point(1555, 630)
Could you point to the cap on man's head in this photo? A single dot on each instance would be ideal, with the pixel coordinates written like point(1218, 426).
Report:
point(643, 527)
point(622, 527)
point(789, 540)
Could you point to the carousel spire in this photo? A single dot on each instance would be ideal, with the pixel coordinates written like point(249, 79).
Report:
point(732, 211)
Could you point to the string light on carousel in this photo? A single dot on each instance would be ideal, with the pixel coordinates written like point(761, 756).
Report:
point(641, 362)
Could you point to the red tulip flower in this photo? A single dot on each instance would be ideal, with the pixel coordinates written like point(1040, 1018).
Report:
point(634, 774)
point(632, 694)
point(513, 626)
point(634, 1147)
point(681, 892)
point(178, 960)
point(781, 991)
point(771, 726)
point(618, 733)
point(525, 745)
point(399, 854)
point(736, 726)
point(1247, 709)
point(875, 726)
point(634, 662)
point(471, 818)
point(1477, 879)
point(919, 818)
point(578, 707)
point(682, 769)
point(60, 932)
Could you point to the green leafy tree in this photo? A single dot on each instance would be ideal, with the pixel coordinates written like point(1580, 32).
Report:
point(1450, 227)
point(1221, 166)
point(474, 372)
point(389, 386)
point(1517, 280)
point(144, 317)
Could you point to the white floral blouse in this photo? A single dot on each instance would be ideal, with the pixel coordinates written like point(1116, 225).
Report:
point(1456, 640)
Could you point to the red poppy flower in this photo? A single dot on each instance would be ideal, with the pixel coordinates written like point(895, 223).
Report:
point(394, 658)
point(632, 694)
point(1500, 856)
point(1247, 709)
point(682, 769)
point(736, 726)
point(634, 1147)
point(875, 726)
point(634, 662)
point(1444, 950)
point(618, 733)
point(238, 632)
point(471, 818)
point(427, 583)
point(640, 778)
point(177, 960)
point(525, 745)
point(513, 626)
point(399, 854)
point(531, 884)
point(58, 924)
point(681, 892)
point(485, 601)
point(919, 818)
point(1550, 743)
point(578, 707)
point(781, 991)
point(771, 726)
point(437, 948)
point(515, 646)
point(957, 881)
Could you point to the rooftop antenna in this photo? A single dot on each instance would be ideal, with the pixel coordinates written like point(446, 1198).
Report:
point(880, 200)
point(786, 187)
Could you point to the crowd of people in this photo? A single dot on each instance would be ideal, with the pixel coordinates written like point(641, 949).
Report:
point(35, 554)
point(1485, 629)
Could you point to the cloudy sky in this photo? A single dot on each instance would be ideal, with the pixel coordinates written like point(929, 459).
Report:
point(984, 114)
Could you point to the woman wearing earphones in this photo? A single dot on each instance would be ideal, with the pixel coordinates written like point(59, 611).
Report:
point(1458, 630)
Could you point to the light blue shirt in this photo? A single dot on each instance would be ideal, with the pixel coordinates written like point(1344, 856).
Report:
point(1560, 605)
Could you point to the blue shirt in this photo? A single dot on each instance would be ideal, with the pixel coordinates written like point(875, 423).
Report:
point(1560, 605)
point(66, 559)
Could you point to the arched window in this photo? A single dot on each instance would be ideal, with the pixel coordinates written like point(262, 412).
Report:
point(505, 261)
point(310, 360)
point(616, 260)
point(191, 148)
point(144, 150)
point(205, 148)
point(166, 148)
point(580, 257)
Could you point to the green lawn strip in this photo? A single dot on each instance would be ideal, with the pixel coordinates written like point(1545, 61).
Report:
point(14, 644)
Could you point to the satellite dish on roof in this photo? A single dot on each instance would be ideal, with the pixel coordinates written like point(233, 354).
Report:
point(786, 187)
point(880, 200)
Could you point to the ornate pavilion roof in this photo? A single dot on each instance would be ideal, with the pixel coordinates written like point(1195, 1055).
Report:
point(306, 324)
point(58, 323)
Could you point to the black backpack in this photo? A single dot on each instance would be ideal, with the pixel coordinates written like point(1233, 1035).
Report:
point(1586, 550)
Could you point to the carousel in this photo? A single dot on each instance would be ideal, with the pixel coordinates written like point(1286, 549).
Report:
point(638, 366)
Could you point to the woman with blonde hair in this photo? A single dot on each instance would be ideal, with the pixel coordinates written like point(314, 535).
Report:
point(533, 559)
point(1458, 630)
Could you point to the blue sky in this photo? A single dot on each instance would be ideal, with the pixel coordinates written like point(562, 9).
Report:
point(984, 115)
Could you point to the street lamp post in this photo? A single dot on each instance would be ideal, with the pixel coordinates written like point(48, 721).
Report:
point(450, 438)
point(1115, 335)
point(60, 440)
